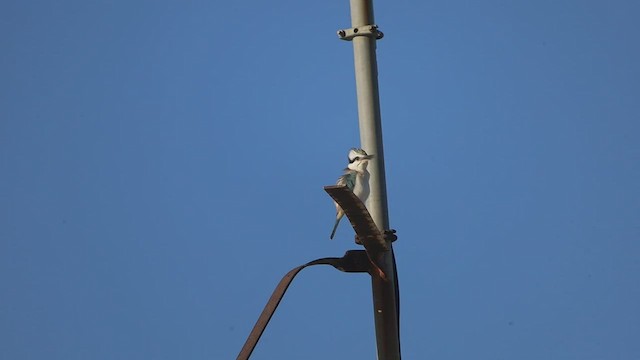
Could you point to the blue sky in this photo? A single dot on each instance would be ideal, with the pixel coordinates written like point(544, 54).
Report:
point(163, 163)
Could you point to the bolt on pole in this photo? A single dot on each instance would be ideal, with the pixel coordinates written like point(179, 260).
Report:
point(366, 73)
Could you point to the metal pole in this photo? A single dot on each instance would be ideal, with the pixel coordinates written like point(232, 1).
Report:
point(366, 71)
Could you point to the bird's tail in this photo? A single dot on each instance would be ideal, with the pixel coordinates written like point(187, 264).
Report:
point(335, 227)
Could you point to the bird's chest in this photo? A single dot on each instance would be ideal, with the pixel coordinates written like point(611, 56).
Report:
point(361, 187)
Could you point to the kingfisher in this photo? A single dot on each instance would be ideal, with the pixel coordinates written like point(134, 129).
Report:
point(356, 178)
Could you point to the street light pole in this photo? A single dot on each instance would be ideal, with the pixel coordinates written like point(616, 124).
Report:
point(364, 34)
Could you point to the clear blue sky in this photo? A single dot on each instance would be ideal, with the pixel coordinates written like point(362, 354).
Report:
point(162, 165)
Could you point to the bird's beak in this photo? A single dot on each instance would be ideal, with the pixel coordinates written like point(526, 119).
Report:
point(368, 157)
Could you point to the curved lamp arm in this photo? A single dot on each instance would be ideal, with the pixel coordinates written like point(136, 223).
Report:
point(352, 261)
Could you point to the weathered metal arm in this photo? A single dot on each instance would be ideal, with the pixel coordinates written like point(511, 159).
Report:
point(352, 261)
point(367, 233)
point(368, 260)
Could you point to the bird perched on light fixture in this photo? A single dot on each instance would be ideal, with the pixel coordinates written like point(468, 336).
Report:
point(356, 178)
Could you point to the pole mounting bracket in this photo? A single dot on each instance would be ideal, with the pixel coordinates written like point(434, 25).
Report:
point(364, 30)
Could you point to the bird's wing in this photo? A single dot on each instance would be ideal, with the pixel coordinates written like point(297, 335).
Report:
point(348, 179)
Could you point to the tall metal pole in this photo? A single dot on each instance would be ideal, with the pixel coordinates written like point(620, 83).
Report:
point(366, 71)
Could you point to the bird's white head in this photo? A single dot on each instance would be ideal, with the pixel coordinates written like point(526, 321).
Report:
point(358, 159)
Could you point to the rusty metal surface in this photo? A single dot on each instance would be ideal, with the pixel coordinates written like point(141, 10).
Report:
point(359, 217)
point(370, 260)
point(377, 245)
point(367, 232)
point(352, 261)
